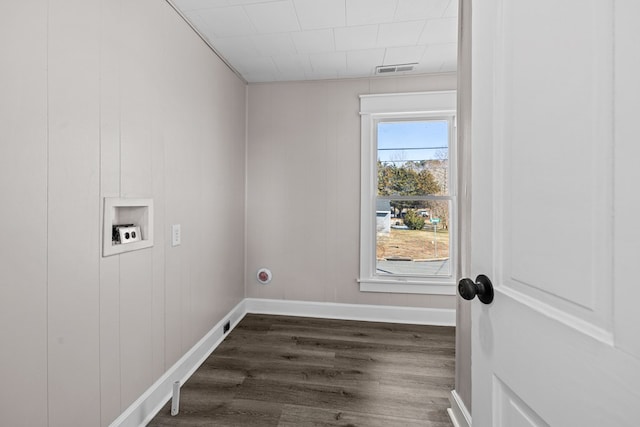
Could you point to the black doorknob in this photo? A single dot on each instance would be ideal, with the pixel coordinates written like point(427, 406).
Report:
point(482, 287)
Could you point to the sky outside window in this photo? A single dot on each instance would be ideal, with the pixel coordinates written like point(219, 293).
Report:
point(412, 141)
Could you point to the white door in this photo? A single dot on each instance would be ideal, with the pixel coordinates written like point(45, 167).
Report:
point(556, 212)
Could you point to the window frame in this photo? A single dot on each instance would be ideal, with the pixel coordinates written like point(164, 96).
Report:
point(440, 105)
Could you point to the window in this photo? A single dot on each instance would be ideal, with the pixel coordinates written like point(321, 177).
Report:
point(408, 200)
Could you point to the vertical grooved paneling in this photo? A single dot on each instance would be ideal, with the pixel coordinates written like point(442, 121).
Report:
point(111, 40)
point(137, 96)
point(157, 192)
point(23, 188)
point(73, 212)
point(108, 98)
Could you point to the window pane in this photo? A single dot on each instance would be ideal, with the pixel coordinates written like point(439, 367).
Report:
point(412, 237)
point(413, 158)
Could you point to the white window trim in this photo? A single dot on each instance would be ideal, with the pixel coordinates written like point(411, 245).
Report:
point(373, 108)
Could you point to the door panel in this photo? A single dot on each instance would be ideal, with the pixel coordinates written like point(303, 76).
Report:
point(510, 410)
point(566, 376)
point(553, 207)
point(554, 146)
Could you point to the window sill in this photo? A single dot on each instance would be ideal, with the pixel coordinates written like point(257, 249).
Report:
point(406, 286)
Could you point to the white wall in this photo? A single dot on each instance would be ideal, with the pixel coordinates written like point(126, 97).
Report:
point(303, 178)
point(102, 98)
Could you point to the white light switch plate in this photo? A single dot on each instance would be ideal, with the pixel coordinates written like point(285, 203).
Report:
point(175, 234)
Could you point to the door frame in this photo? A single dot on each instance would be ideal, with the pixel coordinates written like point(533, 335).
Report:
point(461, 396)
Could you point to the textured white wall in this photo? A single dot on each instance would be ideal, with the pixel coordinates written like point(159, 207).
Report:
point(303, 177)
point(104, 98)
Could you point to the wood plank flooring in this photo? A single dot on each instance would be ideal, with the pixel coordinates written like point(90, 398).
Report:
point(297, 371)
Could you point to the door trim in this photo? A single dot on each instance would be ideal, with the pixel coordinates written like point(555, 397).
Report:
point(459, 414)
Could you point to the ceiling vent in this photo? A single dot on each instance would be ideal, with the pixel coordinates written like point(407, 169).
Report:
point(398, 68)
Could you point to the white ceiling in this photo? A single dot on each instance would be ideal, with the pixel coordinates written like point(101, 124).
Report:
point(283, 40)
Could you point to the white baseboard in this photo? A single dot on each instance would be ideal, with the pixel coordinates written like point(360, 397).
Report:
point(458, 412)
point(370, 313)
point(142, 411)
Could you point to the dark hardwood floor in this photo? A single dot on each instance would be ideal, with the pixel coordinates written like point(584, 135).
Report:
point(298, 371)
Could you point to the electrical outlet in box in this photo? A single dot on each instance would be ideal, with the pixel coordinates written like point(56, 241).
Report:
point(126, 233)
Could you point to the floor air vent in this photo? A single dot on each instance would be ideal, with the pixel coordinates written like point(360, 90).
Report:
point(398, 68)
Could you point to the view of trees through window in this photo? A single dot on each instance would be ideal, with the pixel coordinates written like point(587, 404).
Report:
point(413, 200)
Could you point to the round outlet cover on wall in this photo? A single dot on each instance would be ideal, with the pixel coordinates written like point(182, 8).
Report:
point(264, 276)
